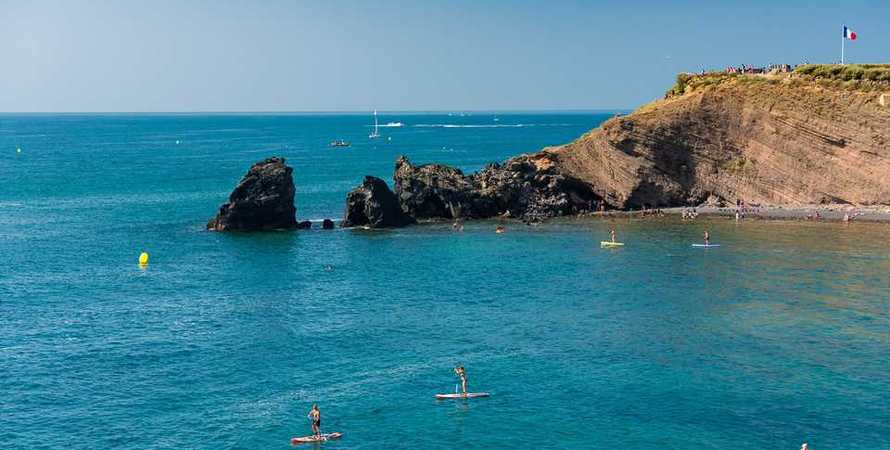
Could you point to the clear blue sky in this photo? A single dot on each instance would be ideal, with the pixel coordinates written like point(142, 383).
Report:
point(424, 55)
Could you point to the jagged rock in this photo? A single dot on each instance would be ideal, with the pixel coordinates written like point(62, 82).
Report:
point(327, 224)
point(304, 225)
point(263, 200)
point(523, 187)
point(438, 191)
point(372, 204)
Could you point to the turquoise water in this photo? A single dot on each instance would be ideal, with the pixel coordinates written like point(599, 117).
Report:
point(225, 340)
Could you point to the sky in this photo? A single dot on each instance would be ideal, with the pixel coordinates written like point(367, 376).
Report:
point(226, 56)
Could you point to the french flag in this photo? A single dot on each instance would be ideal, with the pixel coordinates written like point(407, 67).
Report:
point(849, 34)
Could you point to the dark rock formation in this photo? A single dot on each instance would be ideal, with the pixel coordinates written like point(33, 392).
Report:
point(304, 225)
point(263, 200)
point(525, 187)
point(327, 224)
point(372, 204)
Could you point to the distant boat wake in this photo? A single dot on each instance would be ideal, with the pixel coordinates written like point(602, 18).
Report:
point(388, 125)
point(499, 125)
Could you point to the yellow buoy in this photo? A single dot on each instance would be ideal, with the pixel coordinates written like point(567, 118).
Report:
point(143, 259)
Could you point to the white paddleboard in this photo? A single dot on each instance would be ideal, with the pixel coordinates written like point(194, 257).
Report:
point(611, 244)
point(705, 245)
point(313, 438)
point(467, 395)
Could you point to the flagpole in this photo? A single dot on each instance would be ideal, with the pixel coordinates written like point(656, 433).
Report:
point(843, 42)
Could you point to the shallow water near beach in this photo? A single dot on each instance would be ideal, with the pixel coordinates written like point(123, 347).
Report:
point(778, 337)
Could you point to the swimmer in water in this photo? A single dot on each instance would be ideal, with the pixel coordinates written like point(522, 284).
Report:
point(500, 229)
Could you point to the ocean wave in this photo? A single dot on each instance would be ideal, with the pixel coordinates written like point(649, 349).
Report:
point(498, 125)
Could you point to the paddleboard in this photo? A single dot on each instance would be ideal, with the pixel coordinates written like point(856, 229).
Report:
point(706, 245)
point(468, 395)
point(611, 244)
point(313, 438)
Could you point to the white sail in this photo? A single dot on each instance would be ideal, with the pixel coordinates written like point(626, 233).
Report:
point(376, 133)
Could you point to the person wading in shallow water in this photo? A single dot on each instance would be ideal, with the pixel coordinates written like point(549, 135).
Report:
point(462, 374)
point(707, 238)
point(314, 416)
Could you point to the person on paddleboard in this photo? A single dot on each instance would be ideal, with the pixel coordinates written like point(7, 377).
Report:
point(707, 238)
point(462, 374)
point(612, 234)
point(314, 416)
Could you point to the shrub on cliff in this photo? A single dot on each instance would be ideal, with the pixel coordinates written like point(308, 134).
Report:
point(849, 72)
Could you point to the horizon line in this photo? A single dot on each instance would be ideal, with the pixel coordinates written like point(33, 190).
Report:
point(345, 111)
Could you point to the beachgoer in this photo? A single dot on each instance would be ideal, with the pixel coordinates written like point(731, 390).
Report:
point(804, 446)
point(707, 238)
point(500, 229)
point(314, 416)
point(737, 216)
point(462, 374)
point(612, 234)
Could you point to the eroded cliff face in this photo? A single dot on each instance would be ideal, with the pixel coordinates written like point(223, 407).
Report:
point(770, 140)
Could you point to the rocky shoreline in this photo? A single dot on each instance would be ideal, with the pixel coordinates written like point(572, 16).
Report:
point(523, 188)
point(720, 140)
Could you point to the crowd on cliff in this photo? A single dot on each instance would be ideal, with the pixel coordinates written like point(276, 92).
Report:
point(783, 68)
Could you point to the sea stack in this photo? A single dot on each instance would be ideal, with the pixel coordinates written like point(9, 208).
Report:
point(374, 205)
point(263, 200)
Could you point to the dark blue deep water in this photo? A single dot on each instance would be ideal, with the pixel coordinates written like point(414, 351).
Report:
point(225, 340)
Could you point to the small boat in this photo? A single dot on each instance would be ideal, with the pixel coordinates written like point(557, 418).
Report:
point(376, 133)
point(340, 143)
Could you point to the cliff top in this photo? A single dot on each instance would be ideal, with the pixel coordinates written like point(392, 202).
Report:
point(855, 77)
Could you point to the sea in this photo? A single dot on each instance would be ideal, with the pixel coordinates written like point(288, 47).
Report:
point(225, 340)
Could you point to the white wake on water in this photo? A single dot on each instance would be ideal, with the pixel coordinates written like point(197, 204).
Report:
point(499, 125)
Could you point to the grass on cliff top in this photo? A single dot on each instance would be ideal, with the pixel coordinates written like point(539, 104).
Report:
point(689, 82)
point(847, 72)
point(862, 77)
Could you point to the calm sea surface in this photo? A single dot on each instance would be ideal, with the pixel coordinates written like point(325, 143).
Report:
point(225, 340)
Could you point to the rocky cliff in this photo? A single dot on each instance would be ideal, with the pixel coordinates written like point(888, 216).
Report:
point(820, 135)
point(263, 200)
point(772, 139)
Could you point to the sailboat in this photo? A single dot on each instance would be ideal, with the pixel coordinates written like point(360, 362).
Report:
point(376, 133)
